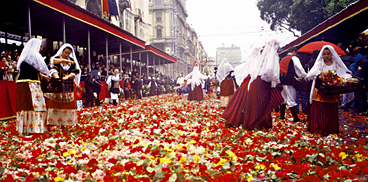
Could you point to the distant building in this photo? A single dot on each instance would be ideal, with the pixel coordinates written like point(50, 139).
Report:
point(233, 54)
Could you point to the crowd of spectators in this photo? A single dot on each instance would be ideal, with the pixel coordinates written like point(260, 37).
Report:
point(8, 64)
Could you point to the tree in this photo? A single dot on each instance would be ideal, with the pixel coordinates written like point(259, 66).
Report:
point(301, 15)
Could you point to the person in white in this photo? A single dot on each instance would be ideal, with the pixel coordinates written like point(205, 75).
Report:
point(113, 83)
point(180, 83)
point(195, 90)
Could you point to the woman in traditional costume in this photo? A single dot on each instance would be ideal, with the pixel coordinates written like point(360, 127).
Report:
point(31, 107)
point(195, 89)
point(61, 108)
point(226, 78)
point(323, 116)
point(253, 102)
point(153, 86)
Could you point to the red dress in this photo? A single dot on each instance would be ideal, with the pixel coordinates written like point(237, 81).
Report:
point(252, 109)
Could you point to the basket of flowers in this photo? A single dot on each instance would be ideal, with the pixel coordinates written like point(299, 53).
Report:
point(330, 83)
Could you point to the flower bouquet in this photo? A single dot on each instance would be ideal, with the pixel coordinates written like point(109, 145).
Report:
point(330, 83)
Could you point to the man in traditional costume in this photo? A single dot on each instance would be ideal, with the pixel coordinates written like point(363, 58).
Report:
point(291, 73)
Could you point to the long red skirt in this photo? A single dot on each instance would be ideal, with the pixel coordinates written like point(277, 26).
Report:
point(196, 94)
point(323, 118)
point(252, 109)
point(227, 87)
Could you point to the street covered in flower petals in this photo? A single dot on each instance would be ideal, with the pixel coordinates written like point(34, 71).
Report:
point(167, 138)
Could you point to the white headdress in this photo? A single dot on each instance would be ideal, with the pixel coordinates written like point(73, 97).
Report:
point(269, 68)
point(224, 70)
point(31, 55)
point(339, 67)
point(246, 68)
point(196, 77)
point(71, 55)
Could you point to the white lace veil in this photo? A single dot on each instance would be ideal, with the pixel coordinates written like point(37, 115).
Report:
point(341, 70)
point(244, 69)
point(196, 77)
point(31, 55)
point(270, 67)
point(71, 55)
point(224, 70)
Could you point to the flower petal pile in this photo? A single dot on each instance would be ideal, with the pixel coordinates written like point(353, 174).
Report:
point(168, 138)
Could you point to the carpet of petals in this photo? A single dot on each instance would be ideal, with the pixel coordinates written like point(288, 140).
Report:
point(167, 138)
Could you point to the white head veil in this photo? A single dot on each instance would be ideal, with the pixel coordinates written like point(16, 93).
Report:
point(31, 55)
point(196, 77)
point(341, 70)
point(244, 69)
point(71, 55)
point(268, 66)
point(224, 70)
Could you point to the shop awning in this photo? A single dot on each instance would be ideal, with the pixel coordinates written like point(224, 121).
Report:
point(345, 25)
point(47, 20)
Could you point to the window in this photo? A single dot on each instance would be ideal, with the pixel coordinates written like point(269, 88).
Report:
point(158, 16)
point(159, 32)
point(157, 2)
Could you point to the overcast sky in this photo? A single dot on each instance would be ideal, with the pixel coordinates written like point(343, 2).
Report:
point(237, 22)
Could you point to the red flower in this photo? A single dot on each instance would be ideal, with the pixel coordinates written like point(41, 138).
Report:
point(129, 165)
point(113, 160)
point(117, 168)
point(9, 178)
point(92, 162)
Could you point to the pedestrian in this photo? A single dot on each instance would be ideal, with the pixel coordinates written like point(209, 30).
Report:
point(88, 85)
point(97, 88)
point(225, 75)
point(291, 75)
point(113, 82)
point(253, 102)
point(61, 107)
point(179, 84)
point(359, 95)
point(323, 115)
point(195, 89)
point(363, 73)
point(126, 86)
point(31, 106)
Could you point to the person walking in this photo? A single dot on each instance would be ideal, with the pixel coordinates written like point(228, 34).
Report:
point(291, 75)
point(258, 95)
point(195, 89)
point(225, 75)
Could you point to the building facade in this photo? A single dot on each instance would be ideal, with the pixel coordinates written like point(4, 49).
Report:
point(172, 34)
point(160, 23)
point(233, 54)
